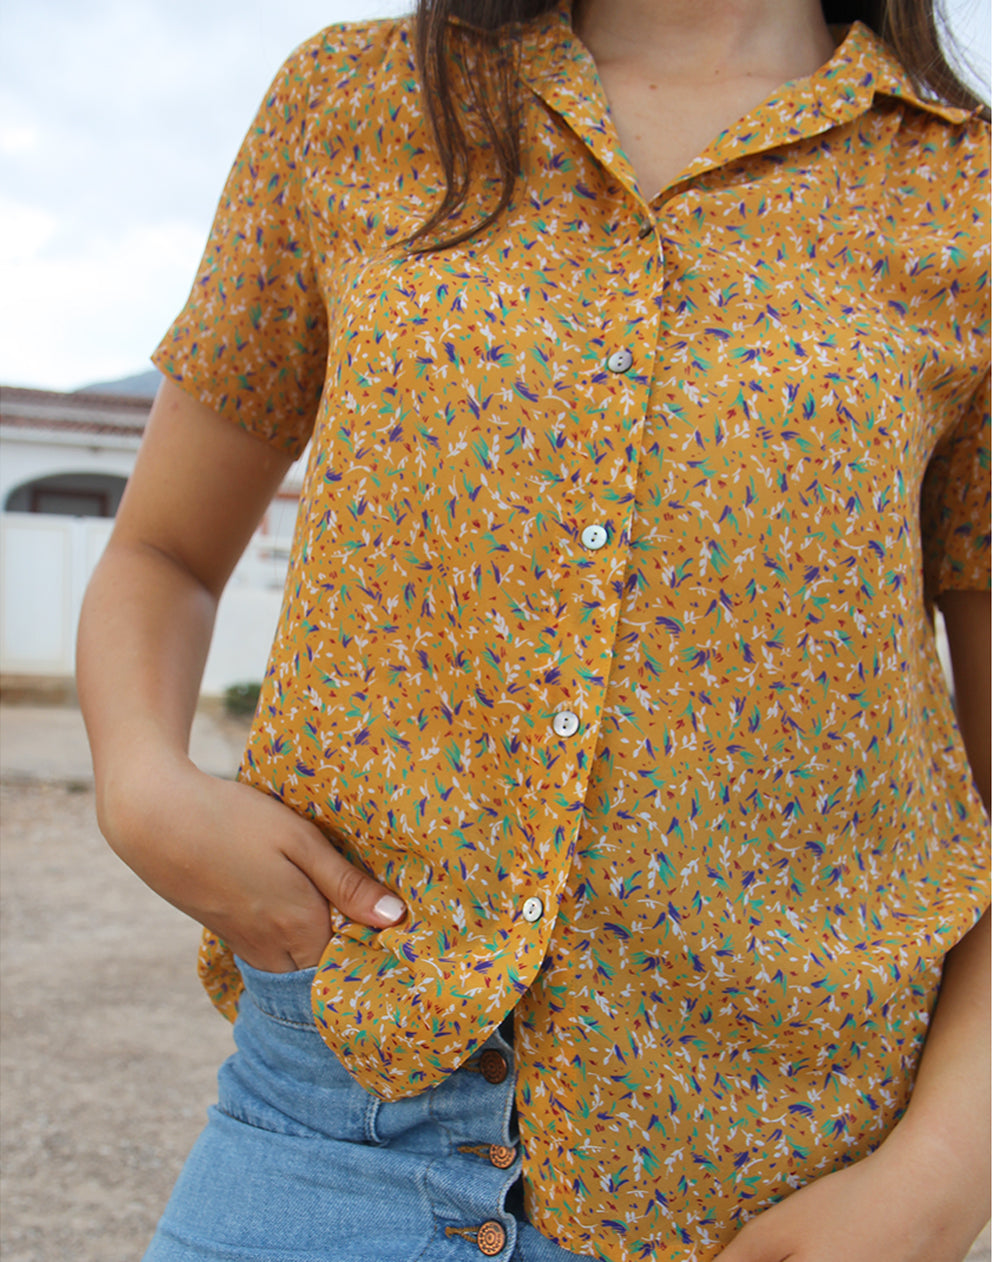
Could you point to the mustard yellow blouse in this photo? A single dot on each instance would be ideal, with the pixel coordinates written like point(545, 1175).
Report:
point(607, 638)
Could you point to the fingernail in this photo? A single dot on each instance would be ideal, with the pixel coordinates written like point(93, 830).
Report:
point(389, 908)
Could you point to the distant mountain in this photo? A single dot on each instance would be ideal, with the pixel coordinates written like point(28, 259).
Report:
point(141, 385)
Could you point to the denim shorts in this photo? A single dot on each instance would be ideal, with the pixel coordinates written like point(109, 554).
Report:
point(300, 1164)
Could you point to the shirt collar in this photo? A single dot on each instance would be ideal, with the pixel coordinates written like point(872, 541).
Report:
point(559, 68)
point(861, 67)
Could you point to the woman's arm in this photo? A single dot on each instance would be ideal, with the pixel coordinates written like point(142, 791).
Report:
point(234, 859)
point(968, 619)
point(199, 488)
point(923, 1196)
point(951, 1102)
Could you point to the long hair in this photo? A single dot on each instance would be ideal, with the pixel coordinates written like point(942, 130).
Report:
point(483, 47)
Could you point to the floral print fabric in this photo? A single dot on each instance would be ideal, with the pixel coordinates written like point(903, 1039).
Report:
point(612, 589)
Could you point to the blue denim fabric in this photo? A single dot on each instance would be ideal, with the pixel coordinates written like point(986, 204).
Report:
point(300, 1164)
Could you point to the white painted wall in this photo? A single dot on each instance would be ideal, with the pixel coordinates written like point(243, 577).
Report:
point(46, 562)
point(239, 651)
point(26, 456)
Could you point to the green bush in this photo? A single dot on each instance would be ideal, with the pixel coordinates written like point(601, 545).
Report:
point(241, 699)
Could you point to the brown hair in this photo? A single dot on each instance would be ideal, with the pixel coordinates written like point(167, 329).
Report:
point(483, 49)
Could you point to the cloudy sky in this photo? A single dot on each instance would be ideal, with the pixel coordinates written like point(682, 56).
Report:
point(118, 122)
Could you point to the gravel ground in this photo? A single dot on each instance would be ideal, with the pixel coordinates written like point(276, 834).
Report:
point(109, 1045)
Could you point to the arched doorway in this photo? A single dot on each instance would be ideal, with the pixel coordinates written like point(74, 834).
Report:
point(69, 495)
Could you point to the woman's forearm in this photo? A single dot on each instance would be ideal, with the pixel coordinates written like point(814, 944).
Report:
point(144, 633)
point(950, 1106)
point(237, 860)
point(947, 1122)
point(199, 487)
point(968, 620)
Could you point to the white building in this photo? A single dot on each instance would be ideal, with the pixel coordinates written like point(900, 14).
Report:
point(64, 462)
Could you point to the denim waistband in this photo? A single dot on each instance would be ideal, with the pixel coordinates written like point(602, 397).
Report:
point(299, 1158)
point(285, 996)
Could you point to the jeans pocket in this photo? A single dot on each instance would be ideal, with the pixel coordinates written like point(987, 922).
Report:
point(283, 997)
point(284, 1077)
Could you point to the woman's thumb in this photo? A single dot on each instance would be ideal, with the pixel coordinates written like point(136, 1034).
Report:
point(348, 889)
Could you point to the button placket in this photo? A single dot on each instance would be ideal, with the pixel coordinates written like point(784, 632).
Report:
point(493, 1066)
point(498, 1155)
point(491, 1239)
point(594, 537)
point(620, 361)
point(532, 910)
point(501, 1156)
point(565, 723)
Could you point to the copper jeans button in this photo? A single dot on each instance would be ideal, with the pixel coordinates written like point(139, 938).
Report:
point(491, 1239)
point(502, 1157)
point(493, 1066)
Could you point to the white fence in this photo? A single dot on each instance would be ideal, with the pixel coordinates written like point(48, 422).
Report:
point(46, 562)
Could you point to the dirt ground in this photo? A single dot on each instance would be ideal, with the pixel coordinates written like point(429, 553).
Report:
point(109, 1047)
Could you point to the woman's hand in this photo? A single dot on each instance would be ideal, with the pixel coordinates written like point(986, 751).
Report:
point(239, 862)
point(235, 859)
point(900, 1204)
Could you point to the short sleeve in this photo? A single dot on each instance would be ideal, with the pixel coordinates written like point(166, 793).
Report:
point(251, 342)
point(955, 504)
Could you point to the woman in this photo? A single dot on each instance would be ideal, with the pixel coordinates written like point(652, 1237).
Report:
point(604, 833)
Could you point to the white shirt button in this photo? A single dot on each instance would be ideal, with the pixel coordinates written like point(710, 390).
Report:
point(533, 909)
point(565, 723)
point(620, 361)
point(594, 537)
